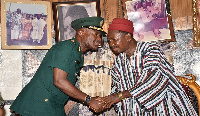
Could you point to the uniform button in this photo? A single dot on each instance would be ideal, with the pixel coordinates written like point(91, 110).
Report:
point(77, 62)
point(46, 100)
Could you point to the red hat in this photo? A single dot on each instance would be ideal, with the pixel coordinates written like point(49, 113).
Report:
point(121, 24)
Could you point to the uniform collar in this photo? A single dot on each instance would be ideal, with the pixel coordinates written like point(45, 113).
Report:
point(77, 43)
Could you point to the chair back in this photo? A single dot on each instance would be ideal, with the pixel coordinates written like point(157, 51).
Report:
point(191, 84)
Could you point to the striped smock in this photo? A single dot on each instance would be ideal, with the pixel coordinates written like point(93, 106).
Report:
point(151, 81)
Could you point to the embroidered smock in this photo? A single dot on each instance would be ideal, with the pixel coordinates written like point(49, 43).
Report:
point(150, 79)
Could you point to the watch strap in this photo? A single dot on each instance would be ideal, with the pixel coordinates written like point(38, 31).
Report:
point(87, 99)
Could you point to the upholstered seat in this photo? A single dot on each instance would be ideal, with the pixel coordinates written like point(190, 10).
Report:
point(192, 85)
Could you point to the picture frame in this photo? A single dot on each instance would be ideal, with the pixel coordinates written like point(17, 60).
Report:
point(25, 24)
point(151, 18)
point(196, 21)
point(69, 11)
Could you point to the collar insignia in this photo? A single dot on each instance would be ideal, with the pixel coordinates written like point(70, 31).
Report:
point(73, 41)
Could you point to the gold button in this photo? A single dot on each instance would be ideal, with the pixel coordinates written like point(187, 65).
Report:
point(46, 100)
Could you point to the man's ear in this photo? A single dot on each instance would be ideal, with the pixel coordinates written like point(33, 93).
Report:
point(128, 36)
point(81, 32)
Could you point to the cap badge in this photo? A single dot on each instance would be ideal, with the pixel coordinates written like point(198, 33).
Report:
point(101, 23)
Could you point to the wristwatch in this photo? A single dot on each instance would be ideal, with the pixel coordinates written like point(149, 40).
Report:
point(87, 99)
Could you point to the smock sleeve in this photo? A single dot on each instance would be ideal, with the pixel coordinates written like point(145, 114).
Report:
point(153, 81)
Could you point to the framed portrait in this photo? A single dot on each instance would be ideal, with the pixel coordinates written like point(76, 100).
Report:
point(65, 12)
point(196, 21)
point(151, 20)
point(25, 24)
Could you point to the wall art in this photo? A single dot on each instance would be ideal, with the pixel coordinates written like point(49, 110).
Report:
point(65, 12)
point(151, 20)
point(26, 24)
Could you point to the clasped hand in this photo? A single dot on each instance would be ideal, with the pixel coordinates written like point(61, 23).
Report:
point(99, 104)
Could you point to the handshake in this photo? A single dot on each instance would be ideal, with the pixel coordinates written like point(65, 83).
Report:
point(99, 104)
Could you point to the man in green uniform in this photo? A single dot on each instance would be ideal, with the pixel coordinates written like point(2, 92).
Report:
point(53, 83)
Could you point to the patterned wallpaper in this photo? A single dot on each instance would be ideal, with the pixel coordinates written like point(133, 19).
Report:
point(186, 58)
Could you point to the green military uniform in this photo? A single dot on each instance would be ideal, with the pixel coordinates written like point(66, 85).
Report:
point(40, 97)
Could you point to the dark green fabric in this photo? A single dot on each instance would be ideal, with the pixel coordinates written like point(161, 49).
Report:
point(40, 97)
